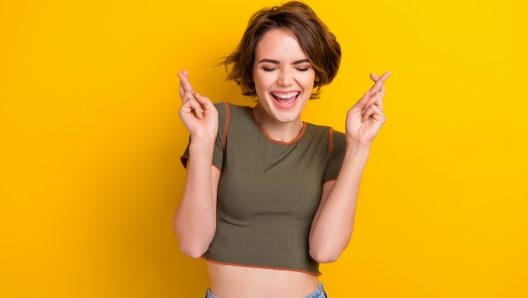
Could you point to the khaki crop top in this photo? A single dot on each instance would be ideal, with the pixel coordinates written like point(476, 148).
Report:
point(269, 191)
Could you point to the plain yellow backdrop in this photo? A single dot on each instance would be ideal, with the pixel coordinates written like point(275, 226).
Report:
point(90, 142)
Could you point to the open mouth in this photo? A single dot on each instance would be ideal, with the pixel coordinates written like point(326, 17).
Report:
point(285, 98)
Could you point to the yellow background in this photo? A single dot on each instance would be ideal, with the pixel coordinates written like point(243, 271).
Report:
point(90, 142)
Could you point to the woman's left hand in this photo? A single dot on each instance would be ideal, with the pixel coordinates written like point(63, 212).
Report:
point(366, 117)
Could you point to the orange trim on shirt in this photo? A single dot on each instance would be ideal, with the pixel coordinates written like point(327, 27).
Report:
point(331, 144)
point(261, 267)
point(220, 170)
point(274, 141)
point(226, 124)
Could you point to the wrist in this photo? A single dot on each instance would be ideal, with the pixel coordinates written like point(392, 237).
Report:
point(355, 151)
point(357, 147)
point(201, 144)
point(203, 137)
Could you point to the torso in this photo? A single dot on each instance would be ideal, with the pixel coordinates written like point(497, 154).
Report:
point(227, 281)
point(266, 225)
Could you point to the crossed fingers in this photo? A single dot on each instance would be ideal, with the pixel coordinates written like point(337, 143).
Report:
point(377, 91)
point(185, 87)
point(187, 95)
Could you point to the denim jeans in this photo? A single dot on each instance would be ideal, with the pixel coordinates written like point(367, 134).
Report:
point(318, 293)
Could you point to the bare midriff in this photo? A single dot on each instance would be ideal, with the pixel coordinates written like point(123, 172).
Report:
point(231, 281)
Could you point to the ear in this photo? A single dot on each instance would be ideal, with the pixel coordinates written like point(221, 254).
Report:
point(316, 78)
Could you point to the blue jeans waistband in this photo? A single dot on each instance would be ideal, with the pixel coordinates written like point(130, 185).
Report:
point(318, 293)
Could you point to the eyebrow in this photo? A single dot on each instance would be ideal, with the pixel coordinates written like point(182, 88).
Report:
point(277, 62)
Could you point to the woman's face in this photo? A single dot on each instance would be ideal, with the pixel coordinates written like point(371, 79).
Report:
point(283, 75)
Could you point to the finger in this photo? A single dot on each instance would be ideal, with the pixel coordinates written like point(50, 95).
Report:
point(374, 112)
point(182, 90)
point(187, 96)
point(184, 79)
point(381, 93)
point(182, 87)
point(375, 99)
point(186, 108)
point(196, 108)
point(378, 115)
point(204, 101)
point(362, 102)
point(378, 86)
point(367, 114)
point(185, 73)
point(379, 82)
point(372, 100)
point(374, 78)
point(378, 100)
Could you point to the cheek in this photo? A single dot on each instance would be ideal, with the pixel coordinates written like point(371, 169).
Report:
point(260, 88)
point(308, 80)
point(263, 81)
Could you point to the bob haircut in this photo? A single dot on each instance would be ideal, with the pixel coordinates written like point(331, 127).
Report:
point(317, 42)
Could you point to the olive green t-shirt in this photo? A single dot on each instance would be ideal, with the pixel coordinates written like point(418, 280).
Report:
point(269, 191)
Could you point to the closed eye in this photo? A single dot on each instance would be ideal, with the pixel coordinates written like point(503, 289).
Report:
point(268, 69)
point(302, 69)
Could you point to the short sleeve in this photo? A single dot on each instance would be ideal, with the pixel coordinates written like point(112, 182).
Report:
point(218, 153)
point(337, 143)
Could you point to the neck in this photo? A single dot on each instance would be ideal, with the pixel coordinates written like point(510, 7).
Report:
point(277, 130)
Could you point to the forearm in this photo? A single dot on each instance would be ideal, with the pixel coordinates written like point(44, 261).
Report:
point(333, 227)
point(195, 218)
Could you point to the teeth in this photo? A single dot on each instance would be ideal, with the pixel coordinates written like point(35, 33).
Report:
point(286, 95)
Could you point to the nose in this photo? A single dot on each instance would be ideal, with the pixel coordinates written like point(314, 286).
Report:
point(285, 77)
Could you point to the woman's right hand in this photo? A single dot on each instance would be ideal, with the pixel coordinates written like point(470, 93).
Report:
point(198, 113)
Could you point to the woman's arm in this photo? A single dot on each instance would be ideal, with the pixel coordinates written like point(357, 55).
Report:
point(194, 221)
point(334, 220)
point(333, 223)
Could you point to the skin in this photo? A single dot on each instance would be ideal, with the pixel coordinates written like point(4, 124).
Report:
point(195, 218)
point(281, 66)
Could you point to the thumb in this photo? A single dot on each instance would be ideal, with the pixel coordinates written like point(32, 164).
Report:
point(203, 101)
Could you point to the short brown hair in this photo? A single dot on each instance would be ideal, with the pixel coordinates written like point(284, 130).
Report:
point(319, 44)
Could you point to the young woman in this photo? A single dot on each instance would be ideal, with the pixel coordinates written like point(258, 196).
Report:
point(267, 196)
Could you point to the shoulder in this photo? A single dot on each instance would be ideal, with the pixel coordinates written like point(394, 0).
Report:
point(337, 143)
point(221, 107)
point(225, 107)
point(330, 131)
point(338, 136)
point(334, 139)
point(228, 111)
